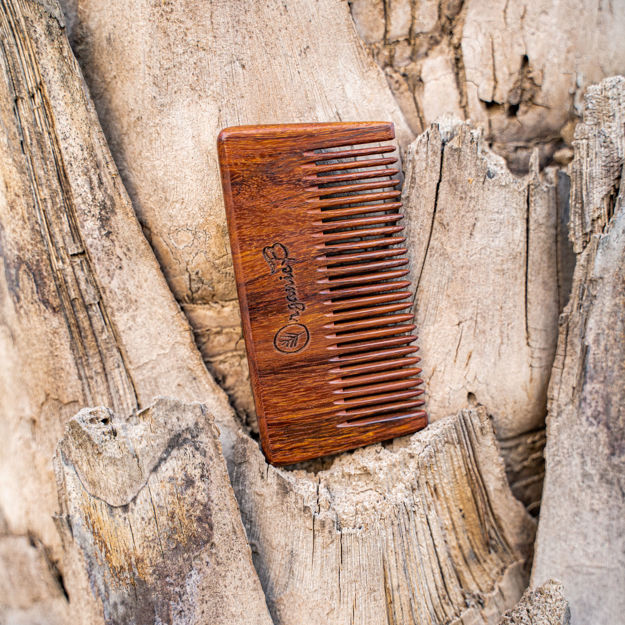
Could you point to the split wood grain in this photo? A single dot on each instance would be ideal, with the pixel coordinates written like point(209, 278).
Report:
point(422, 531)
point(149, 520)
point(581, 538)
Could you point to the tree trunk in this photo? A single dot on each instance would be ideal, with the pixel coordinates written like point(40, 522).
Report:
point(583, 542)
point(149, 514)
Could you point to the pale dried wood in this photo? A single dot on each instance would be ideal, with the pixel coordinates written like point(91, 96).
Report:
point(519, 69)
point(86, 317)
point(581, 538)
point(167, 77)
point(150, 521)
point(30, 588)
point(546, 605)
point(489, 262)
point(420, 531)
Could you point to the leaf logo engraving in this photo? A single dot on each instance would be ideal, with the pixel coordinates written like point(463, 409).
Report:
point(291, 338)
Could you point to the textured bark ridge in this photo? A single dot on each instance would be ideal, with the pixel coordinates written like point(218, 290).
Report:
point(148, 512)
point(424, 531)
point(581, 538)
point(518, 69)
point(491, 265)
point(544, 606)
point(86, 317)
point(224, 63)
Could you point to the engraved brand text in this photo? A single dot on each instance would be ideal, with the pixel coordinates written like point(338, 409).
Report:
point(277, 257)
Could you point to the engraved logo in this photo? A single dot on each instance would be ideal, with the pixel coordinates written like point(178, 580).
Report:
point(291, 338)
point(294, 336)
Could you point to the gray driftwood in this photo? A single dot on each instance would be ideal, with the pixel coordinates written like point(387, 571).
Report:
point(581, 538)
point(423, 531)
point(86, 317)
point(491, 270)
point(546, 605)
point(159, 538)
point(518, 69)
point(191, 69)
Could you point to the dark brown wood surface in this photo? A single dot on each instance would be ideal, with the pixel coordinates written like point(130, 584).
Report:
point(314, 219)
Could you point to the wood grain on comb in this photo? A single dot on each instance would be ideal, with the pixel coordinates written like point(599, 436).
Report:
point(315, 228)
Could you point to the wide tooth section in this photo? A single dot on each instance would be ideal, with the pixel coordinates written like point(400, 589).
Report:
point(361, 268)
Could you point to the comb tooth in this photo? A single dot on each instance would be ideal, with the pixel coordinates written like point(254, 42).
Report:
point(352, 188)
point(376, 173)
point(363, 278)
point(380, 396)
point(349, 305)
point(374, 355)
point(359, 221)
point(338, 154)
point(363, 290)
point(365, 411)
point(348, 337)
point(372, 345)
point(363, 313)
point(383, 387)
point(361, 267)
point(417, 414)
point(370, 162)
point(357, 245)
point(370, 322)
point(354, 199)
point(356, 210)
point(345, 258)
point(362, 232)
point(380, 376)
point(378, 365)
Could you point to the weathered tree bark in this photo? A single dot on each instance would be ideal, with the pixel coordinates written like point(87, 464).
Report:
point(86, 316)
point(517, 69)
point(582, 529)
point(489, 260)
point(179, 202)
point(243, 62)
point(421, 530)
point(159, 540)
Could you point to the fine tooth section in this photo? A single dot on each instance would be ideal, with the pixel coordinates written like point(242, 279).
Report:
point(356, 209)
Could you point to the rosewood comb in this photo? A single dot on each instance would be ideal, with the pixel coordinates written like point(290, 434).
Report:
point(320, 275)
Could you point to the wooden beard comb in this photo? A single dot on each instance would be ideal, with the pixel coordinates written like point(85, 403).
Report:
point(314, 232)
